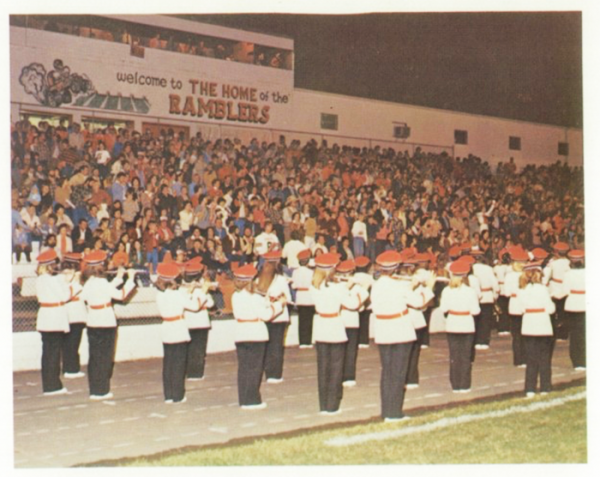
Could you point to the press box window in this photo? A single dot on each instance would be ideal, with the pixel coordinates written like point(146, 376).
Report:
point(461, 137)
point(329, 121)
point(514, 143)
point(563, 148)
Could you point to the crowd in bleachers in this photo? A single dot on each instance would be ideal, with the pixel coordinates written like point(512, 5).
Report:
point(141, 196)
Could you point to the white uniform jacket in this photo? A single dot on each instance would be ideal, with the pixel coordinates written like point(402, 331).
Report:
point(52, 293)
point(350, 315)
point(511, 286)
point(76, 309)
point(99, 293)
point(250, 311)
point(301, 280)
point(392, 321)
point(459, 305)
point(279, 286)
point(487, 281)
point(575, 286)
point(171, 305)
point(199, 319)
point(536, 306)
point(557, 271)
point(328, 325)
point(500, 271)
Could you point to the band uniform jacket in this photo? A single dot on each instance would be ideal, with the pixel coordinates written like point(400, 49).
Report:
point(350, 316)
point(301, 280)
point(459, 305)
point(199, 319)
point(250, 311)
point(500, 271)
point(76, 309)
point(536, 306)
point(171, 306)
point(98, 293)
point(279, 286)
point(328, 326)
point(511, 287)
point(557, 269)
point(488, 282)
point(574, 283)
point(420, 294)
point(52, 291)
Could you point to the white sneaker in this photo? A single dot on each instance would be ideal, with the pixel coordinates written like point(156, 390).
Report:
point(530, 395)
point(333, 413)
point(349, 384)
point(424, 346)
point(274, 380)
point(306, 346)
point(96, 397)
point(457, 391)
point(169, 401)
point(522, 366)
point(262, 405)
point(579, 369)
point(412, 386)
point(504, 333)
point(363, 346)
point(396, 419)
point(79, 374)
point(182, 401)
point(484, 346)
point(57, 392)
point(196, 379)
point(465, 391)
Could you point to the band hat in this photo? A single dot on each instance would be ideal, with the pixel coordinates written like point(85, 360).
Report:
point(193, 267)
point(304, 254)
point(467, 259)
point(246, 273)
point(362, 261)
point(465, 246)
point(346, 266)
point(460, 268)
point(389, 260)
point(73, 257)
point(168, 271)
point(272, 256)
point(539, 253)
point(327, 261)
point(454, 251)
point(561, 247)
point(519, 255)
point(422, 258)
point(501, 253)
point(476, 252)
point(95, 258)
point(537, 265)
point(576, 254)
point(47, 257)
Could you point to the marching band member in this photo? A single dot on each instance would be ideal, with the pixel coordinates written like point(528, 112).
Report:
point(301, 280)
point(274, 286)
point(424, 275)
point(351, 320)
point(198, 322)
point(536, 306)
point(250, 311)
point(460, 303)
point(52, 320)
point(172, 301)
point(500, 270)
point(77, 313)
point(519, 258)
point(489, 291)
point(556, 270)
point(394, 334)
point(365, 280)
point(329, 331)
point(99, 293)
point(574, 283)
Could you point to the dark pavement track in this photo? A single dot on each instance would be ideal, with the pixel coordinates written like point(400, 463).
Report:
point(67, 430)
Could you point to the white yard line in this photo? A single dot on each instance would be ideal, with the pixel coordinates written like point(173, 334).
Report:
point(450, 421)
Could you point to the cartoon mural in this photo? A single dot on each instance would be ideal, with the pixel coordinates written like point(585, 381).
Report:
point(57, 87)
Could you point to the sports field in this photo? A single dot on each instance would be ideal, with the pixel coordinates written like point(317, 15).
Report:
point(546, 429)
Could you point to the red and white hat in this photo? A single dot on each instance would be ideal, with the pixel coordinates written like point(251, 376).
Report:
point(193, 267)
point(539, 253)
point(465, 246)
point(47, 257)
point(537, 265)
point(327, 261)
point(272, 256)
point(246, 273)
point(73, 257)
point(346, 266)
point(576, 255)
point(95, 258)
point(454, 251)
point(467, 259)
point(422, 258)
point(304, 254)
point(168, 271)
point(460, 268)
point(388, 260)
point(477, 252)
point(561, 247)
point(517, 254)
point(362, 261)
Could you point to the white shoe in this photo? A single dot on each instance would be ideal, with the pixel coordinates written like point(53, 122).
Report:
point(363, 346)
point(57, 392)
point(457, 391)
point(182, 401)
point(412, 386)
point(396, 419)
point(504, 333)
point(484, 346)
point(424, 346)
point(306, 346)
point(465, 391)
point(275, 380)
point(530, 395)
point(579, 369)
point(196, 379)
point(262, 405)
point(169, 401)
point(522, 366)
point(96, 397)
point(79, 374)
point(331, 413)
point(349, 384)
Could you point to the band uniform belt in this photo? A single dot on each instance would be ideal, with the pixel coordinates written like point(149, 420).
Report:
point(487, 289)
point(52, 305)
point(251, 320)
point(328, 315)
point(101, 307)
point(556, 280)
point(172, 318)
point(578, 292)
point(391, 317)
point(459, 313)
point(535, 310)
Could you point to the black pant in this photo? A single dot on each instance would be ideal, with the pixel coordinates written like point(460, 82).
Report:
point(351, 355)
point(415, 354)
point(196, 352)
point(538, 355)
point(70, 348)
point(330, 369)
point(51, 350)
point(102, 343)
point(460, 346)
point(251, 357)
point(363, 328)
point(274, 351)
point(561, 327)
point(503, 319)
point(427, 313)
point(577, 342)
point(174, 366)
point(305, 324)
point(483, 324)
point(516, 322)
point(394, 368)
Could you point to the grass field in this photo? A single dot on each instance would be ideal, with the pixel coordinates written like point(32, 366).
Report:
point(508, 431)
